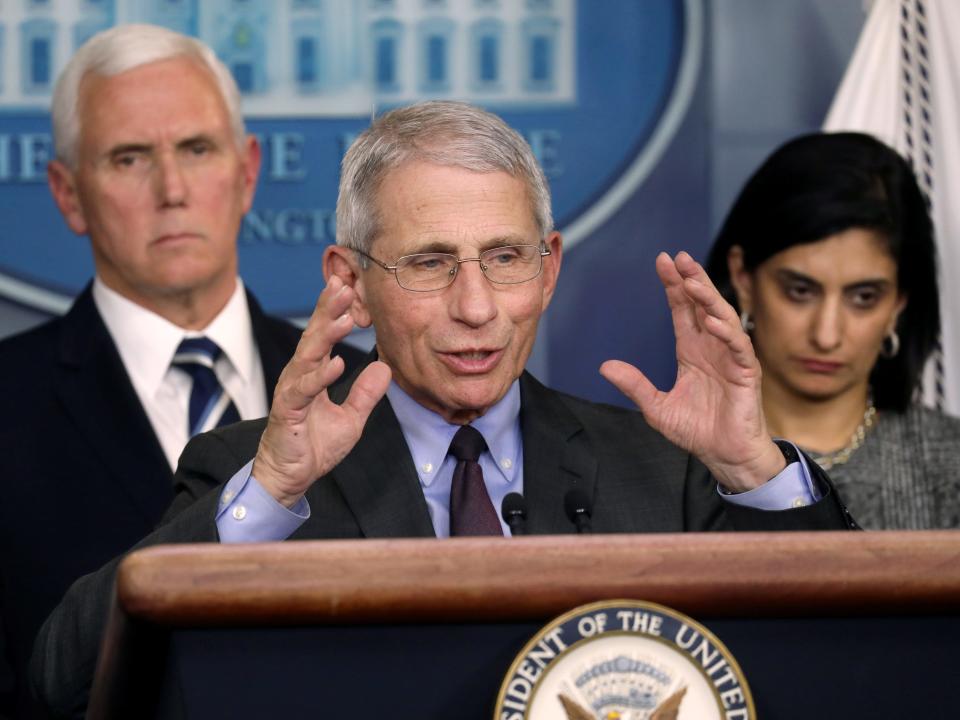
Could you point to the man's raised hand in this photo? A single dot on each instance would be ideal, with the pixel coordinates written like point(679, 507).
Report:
point(714, 409)
point(307, 434)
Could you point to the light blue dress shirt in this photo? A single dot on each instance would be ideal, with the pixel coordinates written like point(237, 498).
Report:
point(247, 513)
point(429, 436)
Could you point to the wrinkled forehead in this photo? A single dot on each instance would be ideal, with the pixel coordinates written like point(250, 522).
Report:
point(164, 101)
point(427, 207)
point(153, 76)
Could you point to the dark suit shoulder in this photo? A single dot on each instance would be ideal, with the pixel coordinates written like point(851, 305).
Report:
point(612, 426)
point(353, 358)
point(601, 412)
point(231, 445)
point(277, 340)
point(286, 335)
point(27, 348)
point(282, 331)
point(212, 458)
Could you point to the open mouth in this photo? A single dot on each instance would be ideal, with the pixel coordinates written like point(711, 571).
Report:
point(472, 361)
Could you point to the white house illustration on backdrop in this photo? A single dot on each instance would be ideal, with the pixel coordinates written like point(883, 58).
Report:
point(322, 57)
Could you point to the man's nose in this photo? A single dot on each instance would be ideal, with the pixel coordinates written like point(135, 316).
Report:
point(474, 301)
point(170, 181)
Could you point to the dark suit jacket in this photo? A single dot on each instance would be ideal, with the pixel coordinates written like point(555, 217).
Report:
point(637, 480)
point(83, 476)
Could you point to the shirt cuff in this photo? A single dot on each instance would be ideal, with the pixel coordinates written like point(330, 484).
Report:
point(793, 487)
point(248, 513)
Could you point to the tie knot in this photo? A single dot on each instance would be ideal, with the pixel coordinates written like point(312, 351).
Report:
point(467, 444)
point(196, 351)
point(209, 405)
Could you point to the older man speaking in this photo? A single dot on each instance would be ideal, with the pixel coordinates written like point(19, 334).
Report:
point(445, 245)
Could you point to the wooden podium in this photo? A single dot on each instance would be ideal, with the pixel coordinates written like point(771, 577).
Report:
point(823, 624)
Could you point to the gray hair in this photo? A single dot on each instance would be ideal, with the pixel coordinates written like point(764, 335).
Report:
point(441, 132)
point(123, 48)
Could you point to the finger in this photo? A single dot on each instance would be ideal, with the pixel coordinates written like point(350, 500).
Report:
point(313, 383)
point(690, 268)
point(720, 320)
point(700, 288)
point(317, 341)
point(682, 309)
point(330, 321)
point(632, 383)
point(312, 368)
point(709, 298)
point(737, 342)
point(367, 390)
point(667, 272)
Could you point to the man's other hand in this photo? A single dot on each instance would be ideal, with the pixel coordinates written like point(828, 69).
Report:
point(307, 434)
point(714, 409)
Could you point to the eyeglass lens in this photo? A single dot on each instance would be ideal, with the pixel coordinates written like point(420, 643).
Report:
point(507, 265)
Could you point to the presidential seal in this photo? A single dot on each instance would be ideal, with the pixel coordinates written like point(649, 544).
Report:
point(624, 660)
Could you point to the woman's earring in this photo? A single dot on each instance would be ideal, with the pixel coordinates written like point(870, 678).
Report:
point(747, 323)
point(891, 345)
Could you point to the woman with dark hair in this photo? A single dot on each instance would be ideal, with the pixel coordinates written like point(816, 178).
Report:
point(828, 254)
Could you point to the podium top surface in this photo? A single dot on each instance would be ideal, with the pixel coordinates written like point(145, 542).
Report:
point(494, 579)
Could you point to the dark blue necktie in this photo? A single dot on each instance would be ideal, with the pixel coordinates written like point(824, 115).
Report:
point(471, 512)
point(210, 406)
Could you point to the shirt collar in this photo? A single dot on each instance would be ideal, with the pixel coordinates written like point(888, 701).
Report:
point(428, 435)
point(232, 330)
point(147, 342)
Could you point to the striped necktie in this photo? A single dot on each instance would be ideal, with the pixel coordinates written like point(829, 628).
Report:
point(210, 406)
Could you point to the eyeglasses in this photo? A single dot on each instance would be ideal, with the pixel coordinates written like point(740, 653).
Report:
point(507, 265)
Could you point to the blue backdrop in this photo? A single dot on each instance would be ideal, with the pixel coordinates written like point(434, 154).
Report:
point(638, 111)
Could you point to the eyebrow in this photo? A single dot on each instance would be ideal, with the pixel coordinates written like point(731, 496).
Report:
point(792, 275)
point(194, 139)
point(128, 148)
point(134, 147)
point(442, 246)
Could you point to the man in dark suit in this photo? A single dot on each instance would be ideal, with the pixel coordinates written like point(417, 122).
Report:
point(446, 246)
point(154, 166)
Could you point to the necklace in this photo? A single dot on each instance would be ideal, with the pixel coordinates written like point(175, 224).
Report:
point(856, 440)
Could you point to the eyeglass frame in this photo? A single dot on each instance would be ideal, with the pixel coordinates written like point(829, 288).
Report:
point(542, 249)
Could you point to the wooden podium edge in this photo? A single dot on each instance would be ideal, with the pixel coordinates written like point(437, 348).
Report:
point(492, 579)
point(705, 575)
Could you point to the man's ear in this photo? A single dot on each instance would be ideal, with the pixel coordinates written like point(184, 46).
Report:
point(741, 279)
point(343, 262)
point(63, 187)
point(250, 159)
point(551, 266)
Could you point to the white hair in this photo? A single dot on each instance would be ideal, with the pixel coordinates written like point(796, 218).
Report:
point(441, 132)
point(123, 48)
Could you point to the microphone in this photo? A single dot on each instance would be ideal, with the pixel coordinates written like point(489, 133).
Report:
point(514, 512)
point(579, 509)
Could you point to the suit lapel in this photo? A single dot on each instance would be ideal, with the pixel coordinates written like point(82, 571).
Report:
point(274, 354)
point(378, 480)
point(381, 487)
point(97, 395)
point(556, 457)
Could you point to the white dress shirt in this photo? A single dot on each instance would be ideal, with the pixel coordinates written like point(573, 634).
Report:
point(147, 343)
